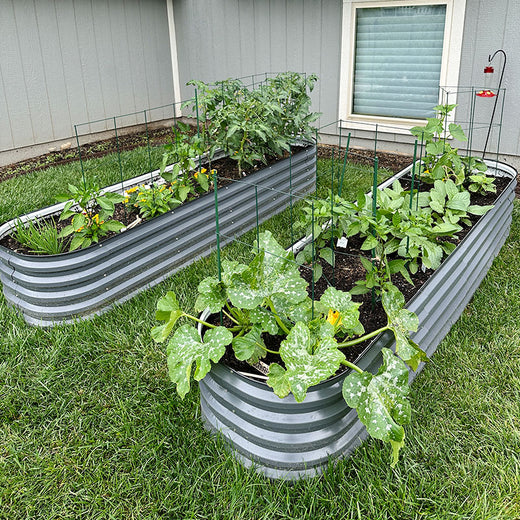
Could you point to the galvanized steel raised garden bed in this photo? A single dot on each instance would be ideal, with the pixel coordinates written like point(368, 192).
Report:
point(60, 288)
point(290, 440)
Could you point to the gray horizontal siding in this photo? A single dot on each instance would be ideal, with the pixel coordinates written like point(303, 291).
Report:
point(231, 38)
point(63, 63)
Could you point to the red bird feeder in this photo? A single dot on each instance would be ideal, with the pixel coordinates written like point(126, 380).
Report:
point(487, 92)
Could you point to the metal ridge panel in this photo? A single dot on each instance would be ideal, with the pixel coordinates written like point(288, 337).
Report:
point(60, 288)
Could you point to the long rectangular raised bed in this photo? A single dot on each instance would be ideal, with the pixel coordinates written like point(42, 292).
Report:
point(60, 288)
point(285, 439)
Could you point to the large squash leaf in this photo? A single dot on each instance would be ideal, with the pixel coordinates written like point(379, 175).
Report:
point(309, 357)
point(380, 400)
point(186, 348)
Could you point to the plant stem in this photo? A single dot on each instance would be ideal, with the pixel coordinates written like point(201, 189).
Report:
point(352, 366)
point(277, 318)
point(205, 323)
point(230, 317)
point(363, 338)
point(277, 352)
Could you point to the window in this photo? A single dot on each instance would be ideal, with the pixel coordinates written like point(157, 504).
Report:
point(395, 55)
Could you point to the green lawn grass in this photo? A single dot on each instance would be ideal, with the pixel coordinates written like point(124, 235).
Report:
point(91, 427)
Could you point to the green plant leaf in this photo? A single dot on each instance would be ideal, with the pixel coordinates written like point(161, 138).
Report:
point(66, 231)
point(273, 272)
point(212, 295)
point(265, 319)
point(328, 255)
point(278, 380)
point(348, 310)
point(435, 148)
point(113, 225)
point(457, 132)
point(308, 360)
point(106, 204)
point(479, 210)
point(380, 400)
point(168, 310)
point(186, 348)
point(460, 201)
point(401, 321)
point(78, 242)
point(251, 346)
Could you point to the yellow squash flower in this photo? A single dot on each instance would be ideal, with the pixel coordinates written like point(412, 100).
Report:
point(334, 317)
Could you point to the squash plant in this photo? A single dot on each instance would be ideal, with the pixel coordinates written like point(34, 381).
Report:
point(269, 296)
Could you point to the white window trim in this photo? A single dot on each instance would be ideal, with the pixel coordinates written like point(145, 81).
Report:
point(175, 61)
point(451, 56)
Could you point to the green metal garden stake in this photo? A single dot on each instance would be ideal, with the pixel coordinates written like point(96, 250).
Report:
point(313, 260)
point(217, 231)
point(344, 166)
point(257, 220)
point(148, 143)
point(411, 189)
point(332, 215)
point(80, 158)
point(120, 165)
point(290, 196)
point(374, 213)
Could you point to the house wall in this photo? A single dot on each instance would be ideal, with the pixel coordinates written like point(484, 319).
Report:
point(235, 38)
point(232, 38)
point(68, 62)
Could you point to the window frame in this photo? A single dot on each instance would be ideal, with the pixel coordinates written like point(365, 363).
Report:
point(451, 58)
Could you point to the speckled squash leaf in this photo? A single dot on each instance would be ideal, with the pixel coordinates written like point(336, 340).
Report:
point(265, 319)
point(308, 359)
point(186, 348)
point(401, 321)
point(250, 347)
point(348, 310)
point(380, 400)
point(272, 272)
point(278, 380)
point(212, 295)
point(168, 310)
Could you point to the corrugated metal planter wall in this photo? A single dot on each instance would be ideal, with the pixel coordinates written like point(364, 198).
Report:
point(290, 440)
point(59, 288)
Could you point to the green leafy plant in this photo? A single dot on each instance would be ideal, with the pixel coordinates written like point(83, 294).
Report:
point(152, 200)
point(252, 125)
point(481, 183)
point(451, 203)
point(40, 238)
point(268, 296)
point(324, 221)
point(90, 210)
point(183, 151)
point(442, 161)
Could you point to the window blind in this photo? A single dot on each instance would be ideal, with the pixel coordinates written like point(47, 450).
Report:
point(398, 58)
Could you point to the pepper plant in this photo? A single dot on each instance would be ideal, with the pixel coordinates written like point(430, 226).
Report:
point(269, 296)
point(90, 211)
